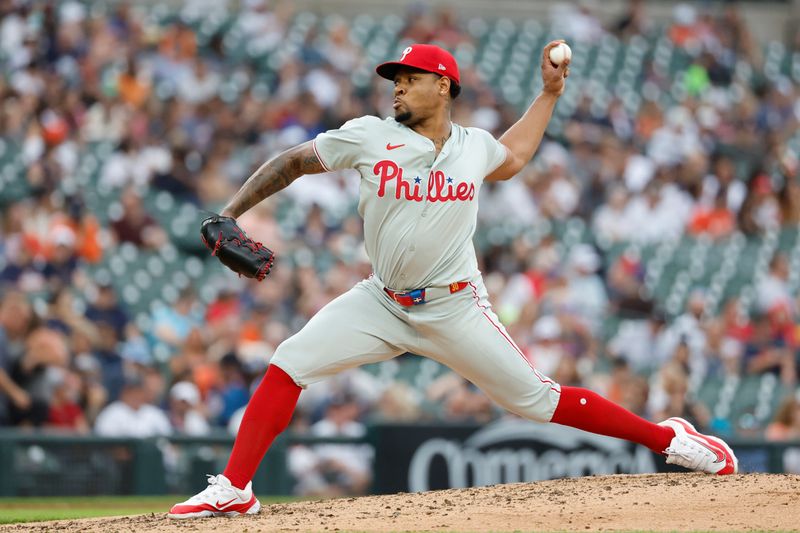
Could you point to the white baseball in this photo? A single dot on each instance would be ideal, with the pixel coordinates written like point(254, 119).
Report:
point(559, 53)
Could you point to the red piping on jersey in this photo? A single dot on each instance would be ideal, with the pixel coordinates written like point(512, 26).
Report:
point(314, 146)
point(483, 310)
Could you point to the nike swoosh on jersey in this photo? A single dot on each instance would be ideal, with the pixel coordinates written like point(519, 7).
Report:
point(390, 146)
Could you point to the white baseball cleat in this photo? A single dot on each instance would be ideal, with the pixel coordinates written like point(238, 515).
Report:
point(220, 498)
point(695, 451)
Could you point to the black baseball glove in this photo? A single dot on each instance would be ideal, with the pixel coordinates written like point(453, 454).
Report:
point(231, 245)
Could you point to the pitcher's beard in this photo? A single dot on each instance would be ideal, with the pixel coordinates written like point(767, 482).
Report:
point(403, 117)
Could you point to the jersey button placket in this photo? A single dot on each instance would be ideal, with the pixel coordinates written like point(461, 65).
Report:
point(425, 203)
point(411, 247)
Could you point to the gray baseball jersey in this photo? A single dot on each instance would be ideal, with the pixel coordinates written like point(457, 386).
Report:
point(419, 211)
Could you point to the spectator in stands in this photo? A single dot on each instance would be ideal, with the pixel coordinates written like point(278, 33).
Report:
point(46, 354)
point(717, 221)
point(135, 225)
point(774, 297)
point(558, 194)
point(735, 324)
point(722, 180)
point(200, 84)
point(546, 349)
point(189, 114)
point(105, 120)
point(627, 388)
point(340, 52)
point(670, 396)
point(331, 470)
point(689, 29)
point(634, 21)
point(264, 25)
point(690, 329)
point(232, 392)
point(399, 402)
point(653, 216)
point(766, 351)
point(65, 412)
point(185, 410)
point(16, 322)
point(723, 353)
point(175, 178)
point(785, 426)
point(133, 85)
point(192, 363)
point(585, 296)
point(576, 21)
point(93, 396)
point(106, 308)
point(106, 352)
point(174, 323)
point(132, 415)
point(625, 279)
point(62, 315)
point(610, 223)
point(63, 261)
point(125, 168)
point(641, 343)
point(789, 196)
point(760, 209)
point(453, 398)
point(420, 26)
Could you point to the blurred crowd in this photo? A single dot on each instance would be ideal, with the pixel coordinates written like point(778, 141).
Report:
point(187, 116)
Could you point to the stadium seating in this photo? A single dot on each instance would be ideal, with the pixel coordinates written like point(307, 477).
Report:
point(505, 52)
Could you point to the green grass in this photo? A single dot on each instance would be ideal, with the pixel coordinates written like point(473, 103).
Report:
point(15, 510)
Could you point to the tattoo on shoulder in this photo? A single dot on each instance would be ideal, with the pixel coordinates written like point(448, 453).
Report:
point(289, 166)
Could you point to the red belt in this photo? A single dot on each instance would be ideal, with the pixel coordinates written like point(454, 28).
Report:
point(417, 296)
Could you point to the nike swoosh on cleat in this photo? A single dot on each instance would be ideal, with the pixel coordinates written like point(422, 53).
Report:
point(717, 452)
point(389, 146)
point(221, 505)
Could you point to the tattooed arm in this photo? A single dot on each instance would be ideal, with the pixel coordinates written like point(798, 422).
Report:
point(274, 175)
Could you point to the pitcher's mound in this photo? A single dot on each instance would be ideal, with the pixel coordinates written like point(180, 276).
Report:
point(650, 502)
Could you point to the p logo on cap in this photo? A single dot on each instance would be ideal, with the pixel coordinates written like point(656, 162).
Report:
point(427, 57)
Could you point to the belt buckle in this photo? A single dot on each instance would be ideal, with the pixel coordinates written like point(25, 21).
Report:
point(417, 296)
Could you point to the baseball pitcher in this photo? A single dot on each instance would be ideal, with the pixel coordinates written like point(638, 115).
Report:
point(420, 176)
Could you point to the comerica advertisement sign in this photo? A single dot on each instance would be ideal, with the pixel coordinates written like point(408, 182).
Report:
point(424, 458)
point(513, 450)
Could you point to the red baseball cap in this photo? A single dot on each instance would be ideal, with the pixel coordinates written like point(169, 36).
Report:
point(427, 57)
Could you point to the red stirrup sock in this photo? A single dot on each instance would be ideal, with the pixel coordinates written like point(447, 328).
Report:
point(586, 410)
point(267, 415)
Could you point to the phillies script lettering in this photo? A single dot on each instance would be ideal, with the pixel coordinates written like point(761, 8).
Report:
point(440, 187)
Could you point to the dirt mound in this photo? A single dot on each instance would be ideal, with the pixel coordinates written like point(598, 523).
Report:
point(651, 502)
